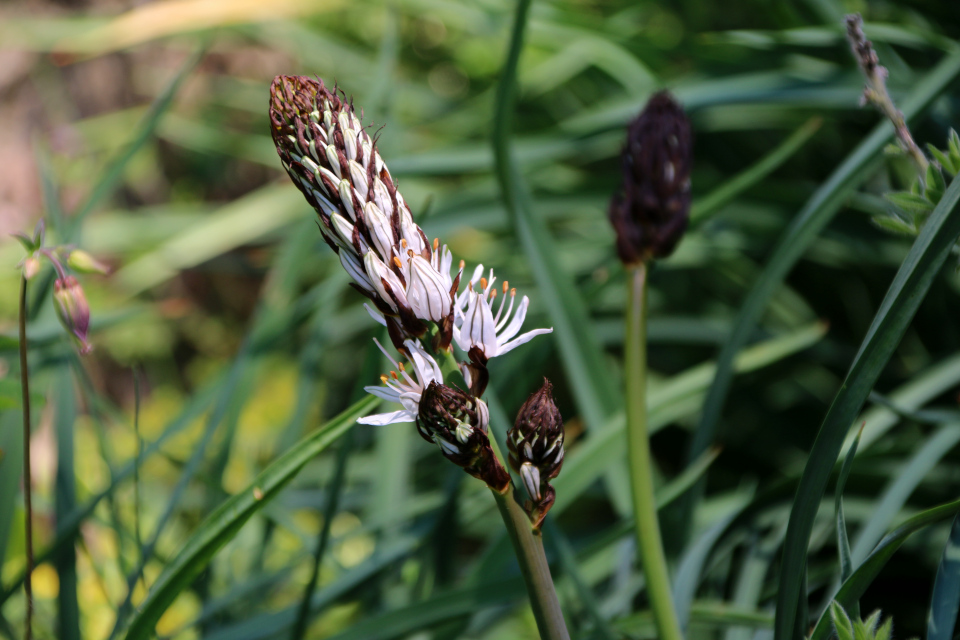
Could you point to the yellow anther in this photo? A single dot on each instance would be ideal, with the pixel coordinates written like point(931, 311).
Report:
point(400, 364)
point(410, 252)
point(462, 265)
point(384, 379)
point(513, 292)
point(393, 374)
point(436, 243)
point(493, 294)
point(403, 242)
point(505, 287)
point(397, 262)
point(483, 283)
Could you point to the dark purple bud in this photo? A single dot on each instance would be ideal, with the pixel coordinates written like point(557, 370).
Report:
point(651, 212)
point(457, 423)
point(73, 310)
point(536, 449)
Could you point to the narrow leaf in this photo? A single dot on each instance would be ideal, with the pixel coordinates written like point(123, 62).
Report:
point(946, 589)
point(911, 283)
point(224, 523)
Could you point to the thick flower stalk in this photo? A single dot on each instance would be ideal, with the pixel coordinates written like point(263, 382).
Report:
point(414, 291)
point(536, 450)
point(333, 161)
point(651, 212)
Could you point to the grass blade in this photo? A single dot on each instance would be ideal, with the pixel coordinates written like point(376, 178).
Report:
point(855, 586)
point(946, 589)
point(903, 484)
point(720, 196)
point(840, 521)
point(11, 466)
point(224, 523)
point(114, 171)
point(65, 561)
point(908, 289)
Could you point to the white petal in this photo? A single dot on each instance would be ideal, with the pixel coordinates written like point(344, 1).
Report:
point(384, 393)
point(351, 263)
point(334, 161)
point(376, 315)
point(478, 327)
point(393, 417)
point(515, 324)
point(522, 339)
point(346, 197)
point(531, 479)
point(359, 177)
point(380, 229)
point(426, 291)
point(376, 272)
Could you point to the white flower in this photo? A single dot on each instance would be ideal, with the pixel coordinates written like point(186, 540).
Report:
point(404, 387)
point(427, 291)
point(476, 324)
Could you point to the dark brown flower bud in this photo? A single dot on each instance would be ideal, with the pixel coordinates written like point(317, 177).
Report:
point(651, 213)
point(457, 423)
point(73, 310)
point(536, 449)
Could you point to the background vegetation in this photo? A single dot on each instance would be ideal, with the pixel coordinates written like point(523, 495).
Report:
point(140, 131)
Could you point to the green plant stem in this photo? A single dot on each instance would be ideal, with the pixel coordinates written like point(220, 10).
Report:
point(527, 542)
point(27, 497)
point(649, 543)
point(528, 545)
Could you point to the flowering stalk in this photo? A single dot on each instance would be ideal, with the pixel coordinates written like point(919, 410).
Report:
point(649, 216)
point(414, 292)
point(27, 476)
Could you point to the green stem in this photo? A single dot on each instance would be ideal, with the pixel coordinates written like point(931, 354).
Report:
point(527, 543)
point(27, 475)
point(649, 543)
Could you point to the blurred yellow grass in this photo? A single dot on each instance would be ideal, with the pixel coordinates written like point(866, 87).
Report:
point(171, 17)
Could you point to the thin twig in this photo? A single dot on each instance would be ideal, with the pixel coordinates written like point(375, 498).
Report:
point(27, 475)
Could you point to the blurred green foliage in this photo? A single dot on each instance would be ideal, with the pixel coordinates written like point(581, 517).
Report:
point(140, 132)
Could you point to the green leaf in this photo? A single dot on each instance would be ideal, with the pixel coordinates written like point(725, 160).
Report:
point(953, 141)
point(941, 157)
point(945, 601)
point(907, 478)
point(895, 225)
point(805, 227)
point(935, 185)
point(843, 543)
point(65, 560)
point(909, 203)
point(855, 586)
point(224, 523)
point(908, 289)
point(11, 467)
point(841, 622)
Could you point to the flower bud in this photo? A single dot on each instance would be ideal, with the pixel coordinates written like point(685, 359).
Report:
point(651, 213)
point(73, 310)
point(536, 449)
point(82, 262)
point(30, 266)
point(457, 423)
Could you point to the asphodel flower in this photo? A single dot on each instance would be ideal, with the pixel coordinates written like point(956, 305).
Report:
point(404, 387)
point(333, 161)
point(651, 213)
point(485, 329)
point(457, 423)
point(536, 449)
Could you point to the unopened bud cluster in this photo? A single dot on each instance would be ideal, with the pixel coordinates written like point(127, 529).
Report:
point(410, 281)
point(69, 300)
point(457, 422)
point(651, 211)
point(536, 450)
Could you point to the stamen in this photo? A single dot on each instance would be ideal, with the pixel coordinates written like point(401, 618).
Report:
point(384, 379)
point(505, 287)
point(384, 352)
point(462, 265)
point(513, 292)
point(483, 283)
point(393, 374)
point(403, 243)
point(401, 367)
point(436, 243)
point(410, 252)
point(397, 262)
point(493, 295)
